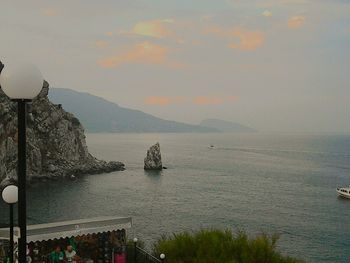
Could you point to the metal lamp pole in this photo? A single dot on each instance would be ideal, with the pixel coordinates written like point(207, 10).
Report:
point(21, 83)
point(10, 196)
point(11, 233)
point(22, 171)
point(135, 250)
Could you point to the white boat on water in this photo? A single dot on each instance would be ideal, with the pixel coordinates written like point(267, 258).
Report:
point(344, 191)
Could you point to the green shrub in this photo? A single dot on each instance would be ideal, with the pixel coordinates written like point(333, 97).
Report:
point(220, 246)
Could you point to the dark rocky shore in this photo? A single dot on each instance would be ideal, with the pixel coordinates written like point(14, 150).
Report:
point(56, 145)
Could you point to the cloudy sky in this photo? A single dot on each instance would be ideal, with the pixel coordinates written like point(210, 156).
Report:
point(276, 65)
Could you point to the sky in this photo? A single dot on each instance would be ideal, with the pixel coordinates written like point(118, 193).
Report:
point(275, 65)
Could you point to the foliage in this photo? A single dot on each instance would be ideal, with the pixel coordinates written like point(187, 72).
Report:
point(220, 246)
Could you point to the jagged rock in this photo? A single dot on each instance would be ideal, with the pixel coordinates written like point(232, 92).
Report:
point(56, 142)
point(153, 160)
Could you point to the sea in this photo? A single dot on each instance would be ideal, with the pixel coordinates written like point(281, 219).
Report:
point(260, 183)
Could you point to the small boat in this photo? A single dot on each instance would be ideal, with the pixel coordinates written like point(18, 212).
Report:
point(211, 146)
point(344, 191)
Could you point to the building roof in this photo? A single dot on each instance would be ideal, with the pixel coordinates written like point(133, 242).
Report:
point(42, 232)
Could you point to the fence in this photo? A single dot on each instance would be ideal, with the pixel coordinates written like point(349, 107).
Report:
point(136, 254)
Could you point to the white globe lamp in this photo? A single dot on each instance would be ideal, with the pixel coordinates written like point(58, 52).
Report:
point(10, 194)
point(21, 82)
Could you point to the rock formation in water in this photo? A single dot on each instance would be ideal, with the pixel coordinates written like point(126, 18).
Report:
point(153, 160)
point(56, 144)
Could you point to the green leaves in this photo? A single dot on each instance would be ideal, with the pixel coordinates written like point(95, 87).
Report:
point(221, 246)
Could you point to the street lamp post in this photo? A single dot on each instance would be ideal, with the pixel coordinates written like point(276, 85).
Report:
point(162, 257)
point(135, 249)
point(21, 83)
point(10, 196)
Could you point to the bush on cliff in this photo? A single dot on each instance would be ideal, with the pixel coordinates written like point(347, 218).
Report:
point(220, 246)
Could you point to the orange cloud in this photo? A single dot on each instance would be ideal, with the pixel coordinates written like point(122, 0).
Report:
point(296, 22)
point(267, 13)
point(152, 28)
point(232, 98)
point(206, 100)
point(109, 33)
point(163, 101)
point(49, 12)
point(154, 100)
point(248, 40)
point(144, 53)
point(101, 44)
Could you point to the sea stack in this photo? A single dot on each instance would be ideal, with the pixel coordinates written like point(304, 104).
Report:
point(153, 160)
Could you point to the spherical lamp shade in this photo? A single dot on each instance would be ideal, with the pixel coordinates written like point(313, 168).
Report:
point(21, 81)
point(162, 256)
point(10, 194)
point(135, 240)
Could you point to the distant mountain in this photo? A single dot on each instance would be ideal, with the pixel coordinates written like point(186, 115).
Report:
point(99, 115)
point(226, 126)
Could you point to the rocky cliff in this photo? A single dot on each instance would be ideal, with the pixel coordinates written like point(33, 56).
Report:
point(153, 160)
point(56, 142)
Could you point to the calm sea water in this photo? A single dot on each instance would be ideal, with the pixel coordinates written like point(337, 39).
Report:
point(273, 183)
